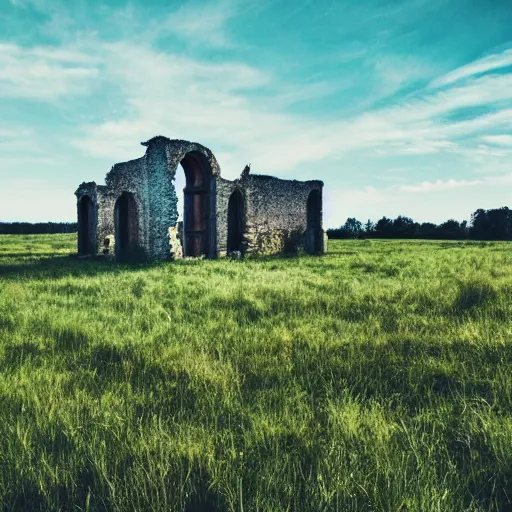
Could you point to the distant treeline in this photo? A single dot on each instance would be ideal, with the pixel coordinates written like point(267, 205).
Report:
point(484, 225)
point(38, 228)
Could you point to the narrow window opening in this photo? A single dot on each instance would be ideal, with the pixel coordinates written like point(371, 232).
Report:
point(314, 222)
point(236, 222)
point(86, 231)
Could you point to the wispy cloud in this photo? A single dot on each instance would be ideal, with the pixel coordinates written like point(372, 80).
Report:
point(284, 122)
point(200, 23)
point(429, 186)
point(14, 132)
point(499, 140)
point(483, 65)
point(240, 109)
point(216, 104)
point(427, 201)
point(44, 73)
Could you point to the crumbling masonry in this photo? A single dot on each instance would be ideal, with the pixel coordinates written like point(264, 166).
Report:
point(136, 212)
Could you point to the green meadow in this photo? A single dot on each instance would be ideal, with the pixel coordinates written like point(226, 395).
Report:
point(377, 377)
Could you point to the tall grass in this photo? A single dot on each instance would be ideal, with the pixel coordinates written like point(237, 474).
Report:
point(376, 377)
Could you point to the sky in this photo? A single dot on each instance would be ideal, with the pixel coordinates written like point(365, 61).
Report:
point(401, 107)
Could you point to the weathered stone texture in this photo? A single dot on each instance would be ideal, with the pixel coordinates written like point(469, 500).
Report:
point(277, 216)
point(175, 242)
point(163, 157)
point(275, 212)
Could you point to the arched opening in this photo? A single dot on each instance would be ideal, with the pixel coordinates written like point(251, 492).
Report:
point(236, 222)
point(196, 240)
point(126, 221)
point(314, 222)
point(86, 231)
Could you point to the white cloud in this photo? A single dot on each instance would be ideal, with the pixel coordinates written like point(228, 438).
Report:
point(200, 23)
point(242, 112)
point(185, 98)
point(438, 202)
point(499, 140)
point(433, 186)
point(429, 186)
point(394, 72)
point(502, 119)
point(488, 63)
point(480, 91)
point(214, 103)
point(14, 132)
point(44, 73)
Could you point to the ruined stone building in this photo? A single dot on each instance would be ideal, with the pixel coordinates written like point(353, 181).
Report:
point(136, 211)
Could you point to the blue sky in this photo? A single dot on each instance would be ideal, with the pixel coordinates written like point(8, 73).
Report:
point(400, 107)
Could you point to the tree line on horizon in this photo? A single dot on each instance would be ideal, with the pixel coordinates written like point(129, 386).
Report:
point(37, 228)
point(494, 224)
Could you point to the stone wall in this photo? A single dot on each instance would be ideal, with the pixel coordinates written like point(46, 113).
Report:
point(162, 159)
point(128, 177)
point(275, 210)
point(276, 218)
point(277, 214)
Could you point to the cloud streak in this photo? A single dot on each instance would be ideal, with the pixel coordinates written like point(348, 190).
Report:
point(483, 65)
point(201, 24)
point(44, 73)
point(499, 140)
point(458, 124)
point(172, 94)
point(428, 186)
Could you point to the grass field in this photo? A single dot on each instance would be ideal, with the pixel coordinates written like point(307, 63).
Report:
point(375, 378)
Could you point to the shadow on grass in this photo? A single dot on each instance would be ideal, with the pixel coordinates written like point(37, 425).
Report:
point(48, 265)
point(58, 267)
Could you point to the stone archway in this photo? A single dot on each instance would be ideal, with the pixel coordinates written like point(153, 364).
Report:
point(314, 222)
point(86, 228)
point(126, 220)
point(236, 222)
point(160, 199)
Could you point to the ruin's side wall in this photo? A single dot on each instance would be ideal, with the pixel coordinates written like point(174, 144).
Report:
point(127, 177)
point(276, 213)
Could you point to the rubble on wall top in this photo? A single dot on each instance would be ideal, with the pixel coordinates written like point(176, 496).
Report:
point(163, 139)
point(157, 138)
point(85, 186)
point(268, 177)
